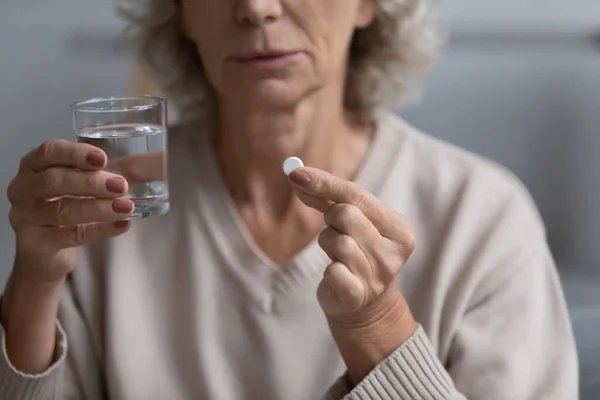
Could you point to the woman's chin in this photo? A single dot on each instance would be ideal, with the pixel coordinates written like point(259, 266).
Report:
point(271, 95)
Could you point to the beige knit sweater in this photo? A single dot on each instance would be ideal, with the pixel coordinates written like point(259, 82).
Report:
point(185, 306)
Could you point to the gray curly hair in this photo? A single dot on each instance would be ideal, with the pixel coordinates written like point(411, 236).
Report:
point(386, 63)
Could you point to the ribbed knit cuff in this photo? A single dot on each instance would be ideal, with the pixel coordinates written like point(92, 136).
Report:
point(45, 386)
point(412, 372)
point(340, 388)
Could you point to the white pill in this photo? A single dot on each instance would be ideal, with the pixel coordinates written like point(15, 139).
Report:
point(291, 164)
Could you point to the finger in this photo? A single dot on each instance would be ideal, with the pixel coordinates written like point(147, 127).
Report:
point(343, 248)
point(325, 186)
point(70, 211)
point(341, 292)
point(84, 234)
point(59, 181)
point(350, 220)
point(384, 256)
point(140, 168)
point(62, 153)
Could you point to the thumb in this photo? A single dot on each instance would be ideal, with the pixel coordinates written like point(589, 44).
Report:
point(312, 201)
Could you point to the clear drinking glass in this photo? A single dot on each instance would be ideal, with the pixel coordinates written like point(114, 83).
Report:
point(132, 131)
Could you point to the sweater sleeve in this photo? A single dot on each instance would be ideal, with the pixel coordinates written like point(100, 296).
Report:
point(74, 375)
point(413, 371)
point(47, 385)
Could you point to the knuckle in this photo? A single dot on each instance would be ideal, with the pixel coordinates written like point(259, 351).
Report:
point(389, 265)
point(90, 181)
point(11, 192)
point(48, 149)
point(78, 153)
point(405, 236)
point(409, 242)
point(81, 235)
point(350, 292)
point(23, 163)
point(319, 184)
point(360, 198)
point(354, 294)
point(388, 271)
point(62, 212)
point(45, 149)
point(339, 213)
point(345, 244)
point(350, 212)
point(333, 185)
point(14, 218)
point(51, 178)
point(77, 235)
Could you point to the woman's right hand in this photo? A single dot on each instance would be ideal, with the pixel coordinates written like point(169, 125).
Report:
point(62, 198)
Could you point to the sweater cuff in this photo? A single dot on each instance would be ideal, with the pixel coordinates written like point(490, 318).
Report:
point(18, 385)
point(413, 371)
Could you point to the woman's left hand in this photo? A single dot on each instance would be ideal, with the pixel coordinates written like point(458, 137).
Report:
point(367, 241)
point(368, 244)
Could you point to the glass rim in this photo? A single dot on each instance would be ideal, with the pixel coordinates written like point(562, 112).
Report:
point(85, 105)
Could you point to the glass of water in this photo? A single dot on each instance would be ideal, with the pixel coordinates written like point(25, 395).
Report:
point(132, 131)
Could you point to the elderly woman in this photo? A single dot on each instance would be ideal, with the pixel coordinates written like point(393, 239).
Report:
point(260, 286)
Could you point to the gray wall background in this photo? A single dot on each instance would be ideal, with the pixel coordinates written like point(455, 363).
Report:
point(519, 82)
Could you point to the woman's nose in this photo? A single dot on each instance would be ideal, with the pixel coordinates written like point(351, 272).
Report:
point(258, 12)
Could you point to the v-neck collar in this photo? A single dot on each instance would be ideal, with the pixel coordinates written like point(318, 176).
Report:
point(261, 277)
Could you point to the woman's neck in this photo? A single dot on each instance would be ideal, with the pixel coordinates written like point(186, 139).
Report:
point(252, 144)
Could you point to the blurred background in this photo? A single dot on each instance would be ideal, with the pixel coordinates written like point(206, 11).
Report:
point(519, 82)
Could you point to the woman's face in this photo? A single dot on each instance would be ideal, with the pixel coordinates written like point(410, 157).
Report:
point(273, 53)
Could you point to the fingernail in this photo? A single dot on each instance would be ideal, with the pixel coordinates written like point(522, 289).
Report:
point(115, 185)
point(95, 159)
point(122, 206)
point(300, 178)
point(121, 224)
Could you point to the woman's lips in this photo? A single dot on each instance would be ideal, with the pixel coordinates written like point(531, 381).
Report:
point(266, 60)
